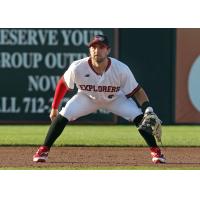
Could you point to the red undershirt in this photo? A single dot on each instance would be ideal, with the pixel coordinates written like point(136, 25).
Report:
point(61, 90)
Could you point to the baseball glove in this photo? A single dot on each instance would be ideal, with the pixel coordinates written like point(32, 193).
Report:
point(151, 124)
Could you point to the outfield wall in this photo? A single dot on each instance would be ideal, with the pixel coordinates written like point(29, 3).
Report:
point(188, 76)
point(150, 53)
point(164, 61)
point(31, 63)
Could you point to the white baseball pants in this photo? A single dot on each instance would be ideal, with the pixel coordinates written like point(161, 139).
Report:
point(80, 105)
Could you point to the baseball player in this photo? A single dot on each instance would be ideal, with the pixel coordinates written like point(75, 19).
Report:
point(102, 82)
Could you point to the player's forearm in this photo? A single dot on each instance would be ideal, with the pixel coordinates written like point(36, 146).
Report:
point(141, 96)
point(61, 90)
point(142, 99)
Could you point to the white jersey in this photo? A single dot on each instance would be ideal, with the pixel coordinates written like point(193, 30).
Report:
point(115, 81)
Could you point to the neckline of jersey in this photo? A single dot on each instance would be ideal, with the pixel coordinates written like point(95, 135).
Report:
point(91, 66)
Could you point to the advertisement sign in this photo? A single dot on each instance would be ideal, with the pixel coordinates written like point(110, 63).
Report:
point(31, 63)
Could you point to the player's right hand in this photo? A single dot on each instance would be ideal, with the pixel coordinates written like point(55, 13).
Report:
point(53, 114)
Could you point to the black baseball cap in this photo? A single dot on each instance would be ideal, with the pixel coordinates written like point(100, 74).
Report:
point(102, 39)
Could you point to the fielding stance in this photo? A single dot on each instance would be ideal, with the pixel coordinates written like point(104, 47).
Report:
point(102, 82)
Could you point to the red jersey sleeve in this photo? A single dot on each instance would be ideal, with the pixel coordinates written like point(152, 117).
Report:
point(61, 90)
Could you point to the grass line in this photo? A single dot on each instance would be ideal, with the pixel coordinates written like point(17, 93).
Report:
point(128, 136)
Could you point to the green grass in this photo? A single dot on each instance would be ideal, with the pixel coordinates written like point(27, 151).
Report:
point(75, 135)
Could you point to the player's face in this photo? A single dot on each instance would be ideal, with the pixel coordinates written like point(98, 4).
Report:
point(99, 52)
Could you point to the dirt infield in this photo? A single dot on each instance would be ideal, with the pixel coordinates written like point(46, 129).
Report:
point(97, 157)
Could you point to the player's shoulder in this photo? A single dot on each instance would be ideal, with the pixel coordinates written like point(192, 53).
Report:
point(80, 61)
point(118, 64)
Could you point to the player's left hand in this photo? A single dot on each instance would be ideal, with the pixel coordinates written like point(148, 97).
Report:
point(151, 124)
point(53, 114)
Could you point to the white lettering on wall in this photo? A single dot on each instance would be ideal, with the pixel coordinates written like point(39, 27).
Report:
point(9, 105)
point(18, 60)
point(28, 60)
point(78, 37)
point(42, 83)
point(62, 60)
point(31, 37)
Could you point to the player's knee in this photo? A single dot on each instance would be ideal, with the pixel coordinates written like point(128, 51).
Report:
point(138, 120)
point(61, 119)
